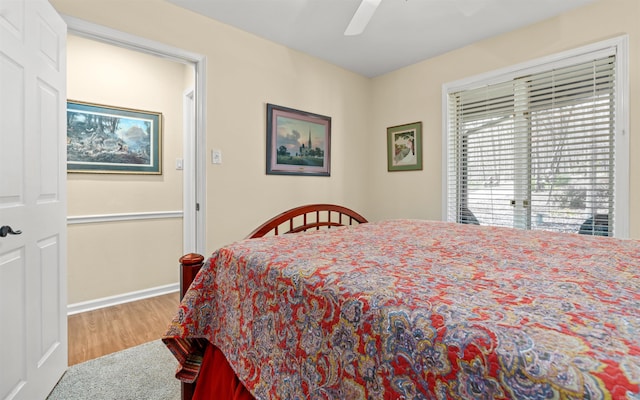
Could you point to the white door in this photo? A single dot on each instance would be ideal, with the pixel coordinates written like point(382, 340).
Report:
point(33, 323)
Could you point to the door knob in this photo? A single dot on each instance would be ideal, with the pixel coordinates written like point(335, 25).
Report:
point(6, 230)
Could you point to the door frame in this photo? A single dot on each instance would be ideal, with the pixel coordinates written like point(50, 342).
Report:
point(194, 153)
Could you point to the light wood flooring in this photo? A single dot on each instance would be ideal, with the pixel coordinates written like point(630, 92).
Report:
point(100, 332)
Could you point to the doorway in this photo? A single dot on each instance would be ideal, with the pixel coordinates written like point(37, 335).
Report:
point(191, 163)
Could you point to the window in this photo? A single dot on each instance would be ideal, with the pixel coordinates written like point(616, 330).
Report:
point(542, 146)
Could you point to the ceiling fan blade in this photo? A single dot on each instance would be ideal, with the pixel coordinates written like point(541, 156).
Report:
point(361, 17)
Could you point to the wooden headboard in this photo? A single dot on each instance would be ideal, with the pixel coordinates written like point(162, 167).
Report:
point(304, 218)
point(298, 219)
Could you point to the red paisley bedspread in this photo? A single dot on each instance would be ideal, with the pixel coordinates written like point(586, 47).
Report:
point(420, 310)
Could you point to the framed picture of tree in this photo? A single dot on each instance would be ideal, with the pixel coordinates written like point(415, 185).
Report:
point(404, 147)
point(298, 142)
point(108, 139)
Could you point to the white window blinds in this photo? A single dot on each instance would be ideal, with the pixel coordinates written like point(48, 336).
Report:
point(536, 151)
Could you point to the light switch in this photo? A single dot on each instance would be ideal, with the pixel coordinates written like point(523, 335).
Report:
point(216, 156)
point(179, 164)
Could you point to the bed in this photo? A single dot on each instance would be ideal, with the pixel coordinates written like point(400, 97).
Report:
point(412, 309)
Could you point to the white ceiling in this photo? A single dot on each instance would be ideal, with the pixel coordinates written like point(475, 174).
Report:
point(400, 33)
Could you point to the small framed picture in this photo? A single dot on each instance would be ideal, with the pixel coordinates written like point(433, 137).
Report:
point(109, 139)
point(298, 142)
point(404, 147)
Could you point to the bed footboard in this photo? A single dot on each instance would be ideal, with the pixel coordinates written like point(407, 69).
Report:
point(298, 219)
point(190, 264)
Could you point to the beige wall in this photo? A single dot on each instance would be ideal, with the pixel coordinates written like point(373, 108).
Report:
point(245, 72)
point(415, 94)
point(111, 258)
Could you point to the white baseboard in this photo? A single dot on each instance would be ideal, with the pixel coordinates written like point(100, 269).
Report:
point(121, 298)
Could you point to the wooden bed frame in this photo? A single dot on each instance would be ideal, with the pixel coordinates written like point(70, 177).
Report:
point(295, 220)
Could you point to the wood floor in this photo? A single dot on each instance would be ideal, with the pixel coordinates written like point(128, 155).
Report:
point(100, 332)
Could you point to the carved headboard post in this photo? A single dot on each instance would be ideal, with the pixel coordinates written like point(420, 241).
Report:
point(190, 264)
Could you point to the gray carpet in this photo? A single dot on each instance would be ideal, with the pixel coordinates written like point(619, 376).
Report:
point(139, 373)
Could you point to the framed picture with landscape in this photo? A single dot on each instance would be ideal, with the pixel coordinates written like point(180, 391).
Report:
point(108, 139)
point(298, 142)
point(404, 147)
